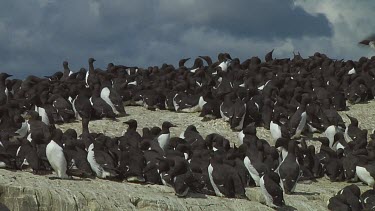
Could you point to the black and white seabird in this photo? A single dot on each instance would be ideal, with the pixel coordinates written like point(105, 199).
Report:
point(164, 135)
point(3, 88)
point(369, 41)
point(289, 169)
point(347, 198)
point(101, 162)
point(55, 154)
point(368, 199)
point(224, 178)
point(271, 189)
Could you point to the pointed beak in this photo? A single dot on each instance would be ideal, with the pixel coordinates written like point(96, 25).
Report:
point(173, 125)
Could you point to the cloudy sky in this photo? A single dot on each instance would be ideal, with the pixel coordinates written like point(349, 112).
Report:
point(38, 35)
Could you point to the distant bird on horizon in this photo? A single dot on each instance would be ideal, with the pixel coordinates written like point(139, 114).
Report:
point(370, 41)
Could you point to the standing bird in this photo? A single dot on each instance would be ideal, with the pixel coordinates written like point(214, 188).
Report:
point(67, 72)
point(224, 178)
point(289, 169)
point(130, 137)
point(82, 104)
point(3, 88)
point(164, 136)
point(268, 56)
point(270, 184)
point(91, 76)
point(55, 154)
point(100, 106)
point(366, 173)
point(63, 107)
point(112, 98)
point(101, 161)
point(298, 119)
point(181, 63)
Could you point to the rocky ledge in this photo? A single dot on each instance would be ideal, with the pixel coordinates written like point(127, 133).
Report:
point(25, 191)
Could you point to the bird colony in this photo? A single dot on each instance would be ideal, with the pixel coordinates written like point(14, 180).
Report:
point(293, 98)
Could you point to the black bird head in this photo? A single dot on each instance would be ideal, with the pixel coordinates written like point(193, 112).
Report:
point(167, 125)
point(132, 123)
point(91, 60)
point(5, 76)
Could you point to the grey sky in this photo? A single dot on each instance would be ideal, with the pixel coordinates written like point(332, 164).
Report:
point(37, 35)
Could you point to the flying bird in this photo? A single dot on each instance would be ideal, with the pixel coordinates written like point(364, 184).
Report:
point(370, 41)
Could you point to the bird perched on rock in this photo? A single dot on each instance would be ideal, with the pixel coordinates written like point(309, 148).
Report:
point(270, 185)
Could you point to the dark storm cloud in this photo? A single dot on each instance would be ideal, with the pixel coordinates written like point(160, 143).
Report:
point(256, 18)
point(35, 37)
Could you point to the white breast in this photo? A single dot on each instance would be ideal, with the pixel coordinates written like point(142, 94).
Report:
point(240, 125)
point(330, 134)
point(241, 135)
point(176, 106)
point(284, 153)
point(352, 71)
point(224, 66)
point(192, 109)
point(301, 125)
point(338, 146)
point(267, 196)
point(29, 137)
point(311, 128)
point(99, 171)
point(262, 87)
point(18, 151)
point(104, 94)
point(201, 102)
point(6, 91)
point(43, 114)
point(225, 118)
point(87, 76)
point(194, 70)
point(182, 135)
point(216, 189)
point(75, 110)
point(275, 130)
point(253, 172)
point(56, 158)
point(163, 140)
point(346, 136)
point(364, 176)
point(22, 132)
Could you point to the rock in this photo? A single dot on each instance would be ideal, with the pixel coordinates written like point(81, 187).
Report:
point(33, 192)
point(25, 191)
